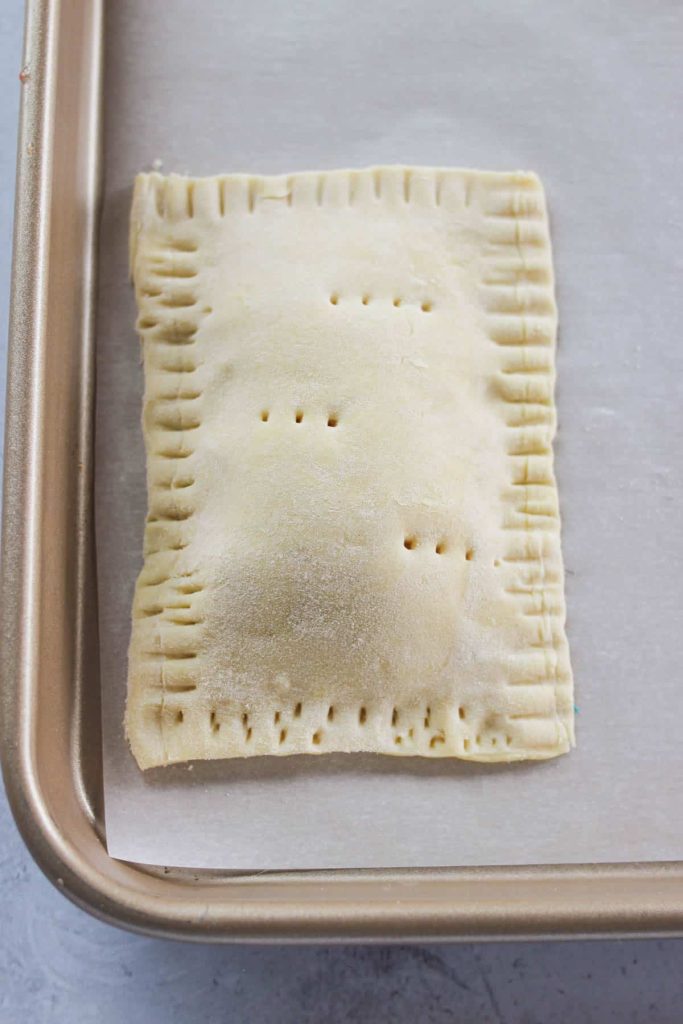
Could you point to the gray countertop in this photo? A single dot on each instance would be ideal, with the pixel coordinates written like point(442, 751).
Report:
point(58, 965)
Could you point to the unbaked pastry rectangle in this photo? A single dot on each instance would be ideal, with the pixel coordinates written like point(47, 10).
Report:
point(353, 538)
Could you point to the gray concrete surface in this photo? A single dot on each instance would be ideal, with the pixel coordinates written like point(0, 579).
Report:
point(59, 966)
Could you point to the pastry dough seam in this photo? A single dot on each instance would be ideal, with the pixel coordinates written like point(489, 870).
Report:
point(518, 297)
point(169, 321)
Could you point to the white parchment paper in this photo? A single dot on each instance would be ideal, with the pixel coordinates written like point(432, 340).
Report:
point(588, 95)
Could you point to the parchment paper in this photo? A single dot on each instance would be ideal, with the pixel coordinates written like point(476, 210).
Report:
point(588, 95)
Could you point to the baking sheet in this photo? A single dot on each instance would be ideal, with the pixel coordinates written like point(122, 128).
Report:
point(586, 95)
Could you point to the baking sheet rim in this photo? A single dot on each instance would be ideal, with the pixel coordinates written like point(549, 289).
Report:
point(575, 900)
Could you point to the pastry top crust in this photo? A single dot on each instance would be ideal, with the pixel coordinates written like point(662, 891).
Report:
point(353, 531)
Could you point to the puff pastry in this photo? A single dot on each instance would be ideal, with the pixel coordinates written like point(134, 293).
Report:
point(353, 538)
